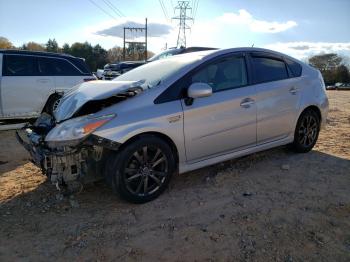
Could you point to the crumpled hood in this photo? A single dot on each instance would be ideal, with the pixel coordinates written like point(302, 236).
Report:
point(79, 95)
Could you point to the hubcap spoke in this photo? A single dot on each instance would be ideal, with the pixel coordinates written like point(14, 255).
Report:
point(159, 173)
point(160, 160)
point(156, 156)
point(145, 155)
point(138, 157)
point(133, 177)
point(145, 184)
point(156, 179)
point(139, 186)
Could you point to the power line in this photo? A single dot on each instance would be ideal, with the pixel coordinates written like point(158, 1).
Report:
point(195, 9)
point(104, 11)
point(114, 8)
point(164, 10)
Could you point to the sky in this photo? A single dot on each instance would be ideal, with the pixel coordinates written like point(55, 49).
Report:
point(299, 28)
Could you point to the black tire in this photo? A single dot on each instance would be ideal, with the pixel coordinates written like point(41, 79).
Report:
point(306, 131)
point(51, 103)
point(139, 178)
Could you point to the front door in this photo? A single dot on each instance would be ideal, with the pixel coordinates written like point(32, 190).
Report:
point(226, 120)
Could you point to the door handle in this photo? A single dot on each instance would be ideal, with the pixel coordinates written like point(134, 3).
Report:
point(293, 90)
point(43, 81)
point(247, 102)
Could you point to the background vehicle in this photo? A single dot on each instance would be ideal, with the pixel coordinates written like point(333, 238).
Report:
point(180, 113)
point(31, 82)
point(116, 69)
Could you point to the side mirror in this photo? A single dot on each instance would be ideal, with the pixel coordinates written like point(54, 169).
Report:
point(197, 90)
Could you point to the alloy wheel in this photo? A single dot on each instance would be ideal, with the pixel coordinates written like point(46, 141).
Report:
point(145, 171)
point(308, 130)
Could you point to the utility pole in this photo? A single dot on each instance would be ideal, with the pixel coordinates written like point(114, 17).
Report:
point(182, 6)
point(134, 43)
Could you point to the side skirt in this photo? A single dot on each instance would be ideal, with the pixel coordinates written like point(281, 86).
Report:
point(186, 167)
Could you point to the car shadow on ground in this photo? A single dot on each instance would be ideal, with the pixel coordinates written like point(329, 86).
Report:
point(279, 158)
point(277, 184)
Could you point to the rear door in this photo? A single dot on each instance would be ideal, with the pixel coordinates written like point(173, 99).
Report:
point(67, 74)
point(23, 90)
point(277, 97)
point(226, 120)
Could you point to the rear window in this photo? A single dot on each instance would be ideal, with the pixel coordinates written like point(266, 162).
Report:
point(63, 68)
point(268, 69)
point(80, 63)
point(16, 65)
point(56, 67)
point(294, 68)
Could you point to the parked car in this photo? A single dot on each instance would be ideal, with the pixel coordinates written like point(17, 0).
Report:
point(99, 74)
point(32, 82)
point(176, 115)
point(344, 86)
point(118, 68)
point(331, 87)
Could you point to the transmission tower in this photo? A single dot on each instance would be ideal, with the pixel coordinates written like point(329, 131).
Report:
point(182, 6)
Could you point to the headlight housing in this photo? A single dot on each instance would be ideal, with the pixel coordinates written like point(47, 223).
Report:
point(71, 132)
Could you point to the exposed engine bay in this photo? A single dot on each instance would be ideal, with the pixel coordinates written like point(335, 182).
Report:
point(64, 163)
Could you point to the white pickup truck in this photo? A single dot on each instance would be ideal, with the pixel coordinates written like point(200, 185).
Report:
point(32, 82)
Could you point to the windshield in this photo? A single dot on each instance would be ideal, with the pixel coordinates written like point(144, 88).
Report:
point(152, 74)
point(164, 54)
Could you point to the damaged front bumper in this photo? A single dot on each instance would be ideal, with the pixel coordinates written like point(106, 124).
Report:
point(63, 165)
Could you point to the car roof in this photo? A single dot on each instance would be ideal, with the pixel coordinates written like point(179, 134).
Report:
point(38, 53)
point(217, 52)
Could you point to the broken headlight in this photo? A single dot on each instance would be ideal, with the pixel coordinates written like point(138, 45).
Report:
point(71, 132)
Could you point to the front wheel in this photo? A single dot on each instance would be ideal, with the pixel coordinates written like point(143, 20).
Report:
point(306, 132)
point(141, 171)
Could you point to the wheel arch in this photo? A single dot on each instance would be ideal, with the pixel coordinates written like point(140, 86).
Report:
point(49, 98)
point(160, 135)
point(313, 108)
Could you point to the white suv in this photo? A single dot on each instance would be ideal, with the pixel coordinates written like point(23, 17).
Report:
point(31, 82)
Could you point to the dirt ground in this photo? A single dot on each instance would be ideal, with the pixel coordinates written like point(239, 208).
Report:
point(272, 206)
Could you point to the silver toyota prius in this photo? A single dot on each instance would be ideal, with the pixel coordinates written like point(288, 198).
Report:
point(175, 115)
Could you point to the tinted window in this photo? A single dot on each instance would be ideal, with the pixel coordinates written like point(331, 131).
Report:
point(294, 67)
point(45, 66)
point(80, 63)
point(64, 68)
point(16, 65)
point(268, 69)
point(225, 74)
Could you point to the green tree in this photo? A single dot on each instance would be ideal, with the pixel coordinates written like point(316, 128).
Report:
point(66, 48)
point(5, 43)
point(331, 67)
point(342, 74)
point(52, 46)
point(32, 46)
point(325, 62)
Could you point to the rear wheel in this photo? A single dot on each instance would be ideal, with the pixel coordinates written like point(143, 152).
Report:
point(306, 132)
point(141, 171)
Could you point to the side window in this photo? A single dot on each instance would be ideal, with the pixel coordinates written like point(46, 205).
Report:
point(64, 68)
point(45, 66)
point(268, 69)
point(222, 75)
point(294, 67)
point(17, 65)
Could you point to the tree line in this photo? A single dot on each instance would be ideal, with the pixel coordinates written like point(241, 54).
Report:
point(332, 68)
point(95, 56)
